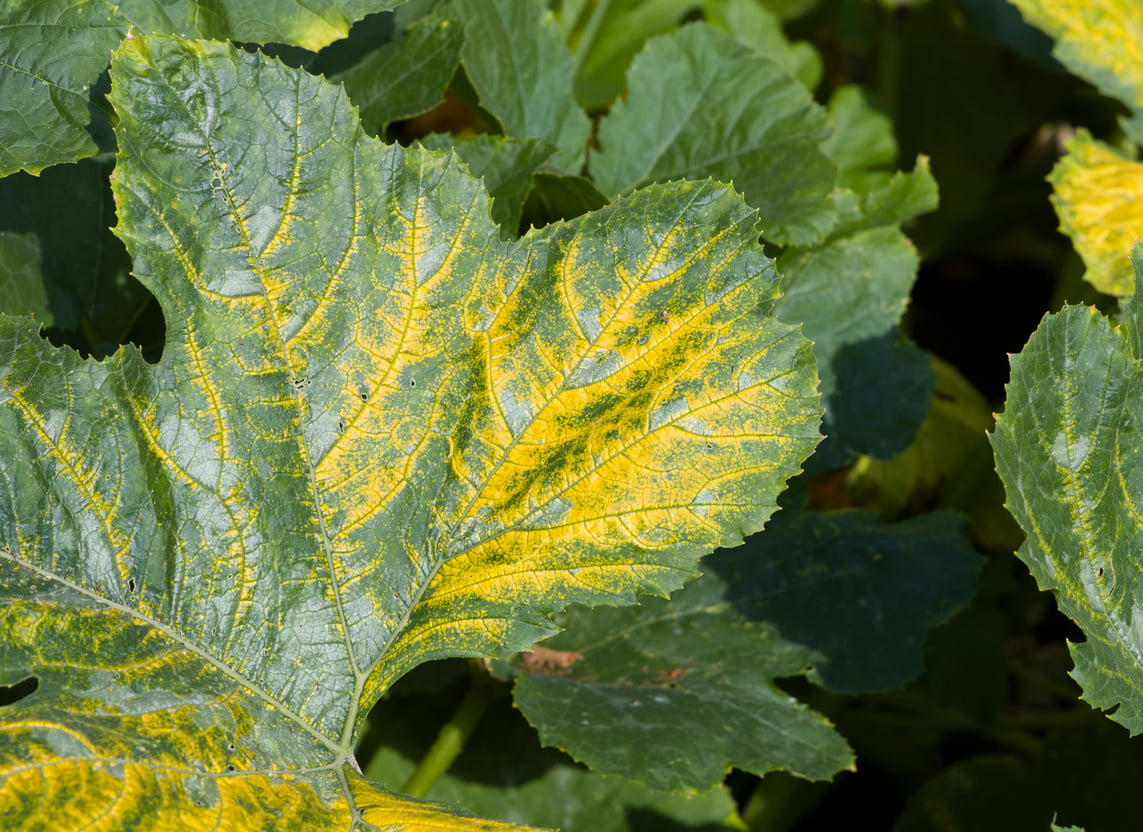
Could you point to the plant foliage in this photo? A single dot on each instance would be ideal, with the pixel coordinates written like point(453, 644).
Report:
point(420, 411)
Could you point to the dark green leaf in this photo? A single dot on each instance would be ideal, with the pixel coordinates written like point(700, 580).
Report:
point(51, 52)
point(869, 374)
point(506, 165)
point(405, 77)
point(57, 252)
point(557, 196)
point(861, 594)
point(504, 773)
point(702, 105)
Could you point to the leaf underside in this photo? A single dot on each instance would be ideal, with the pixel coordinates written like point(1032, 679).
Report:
point(379, 434)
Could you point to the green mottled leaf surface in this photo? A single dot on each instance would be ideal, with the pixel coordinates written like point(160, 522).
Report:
point(50, 54)
point(675, 693)
point(1068, 451)
point(379, 434)
point(700, 105)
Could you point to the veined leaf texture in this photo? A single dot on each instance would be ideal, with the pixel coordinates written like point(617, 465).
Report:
point(378, 435)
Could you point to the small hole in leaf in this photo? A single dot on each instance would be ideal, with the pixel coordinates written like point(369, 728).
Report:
point(412, 382)
point(1099, 572)
point(130, 584)
point(231, 746)
point(230, 768)
point(11, 694)
point(364, 394)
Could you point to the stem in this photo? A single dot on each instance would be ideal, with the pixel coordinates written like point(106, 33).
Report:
point(452, 736)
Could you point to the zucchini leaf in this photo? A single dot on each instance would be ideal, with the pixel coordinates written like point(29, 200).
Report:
point(1070, 461)
point(674, 693)
point(701, 104)
point(378, 435)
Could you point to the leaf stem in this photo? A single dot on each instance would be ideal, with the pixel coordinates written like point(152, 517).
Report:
point(452, 736)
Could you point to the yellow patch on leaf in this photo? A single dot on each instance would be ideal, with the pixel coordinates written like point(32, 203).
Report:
point(1098, 199)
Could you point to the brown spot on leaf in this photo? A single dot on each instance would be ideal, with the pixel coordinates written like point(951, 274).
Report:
point(542, 659)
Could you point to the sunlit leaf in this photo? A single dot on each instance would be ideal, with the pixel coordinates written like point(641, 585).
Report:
point(378, 435)
point(702, 105)
point(1068, 450)
point(307, 23)
point(1099, 40)
point(1097, 198)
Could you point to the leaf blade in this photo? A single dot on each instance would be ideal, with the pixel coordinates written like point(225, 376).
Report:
point(1066, 454)
point(50, 55)
point(339, 419)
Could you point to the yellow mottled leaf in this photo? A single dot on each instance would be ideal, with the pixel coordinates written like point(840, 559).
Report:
point(1099, 40)
point(378, 435)
point(1099, 198)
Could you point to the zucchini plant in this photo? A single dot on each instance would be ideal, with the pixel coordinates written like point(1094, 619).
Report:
point(344, 342)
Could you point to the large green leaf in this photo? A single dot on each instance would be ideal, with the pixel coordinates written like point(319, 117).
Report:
point(504, 773)
point(50, 54)
point(406, 76)
point(522, 71)
point(675, 693)
point(1068, 452)
point(307, 23)
point(700, 105)
point(378, 435)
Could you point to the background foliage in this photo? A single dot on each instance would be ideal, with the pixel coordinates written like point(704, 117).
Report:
point(880, 651)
